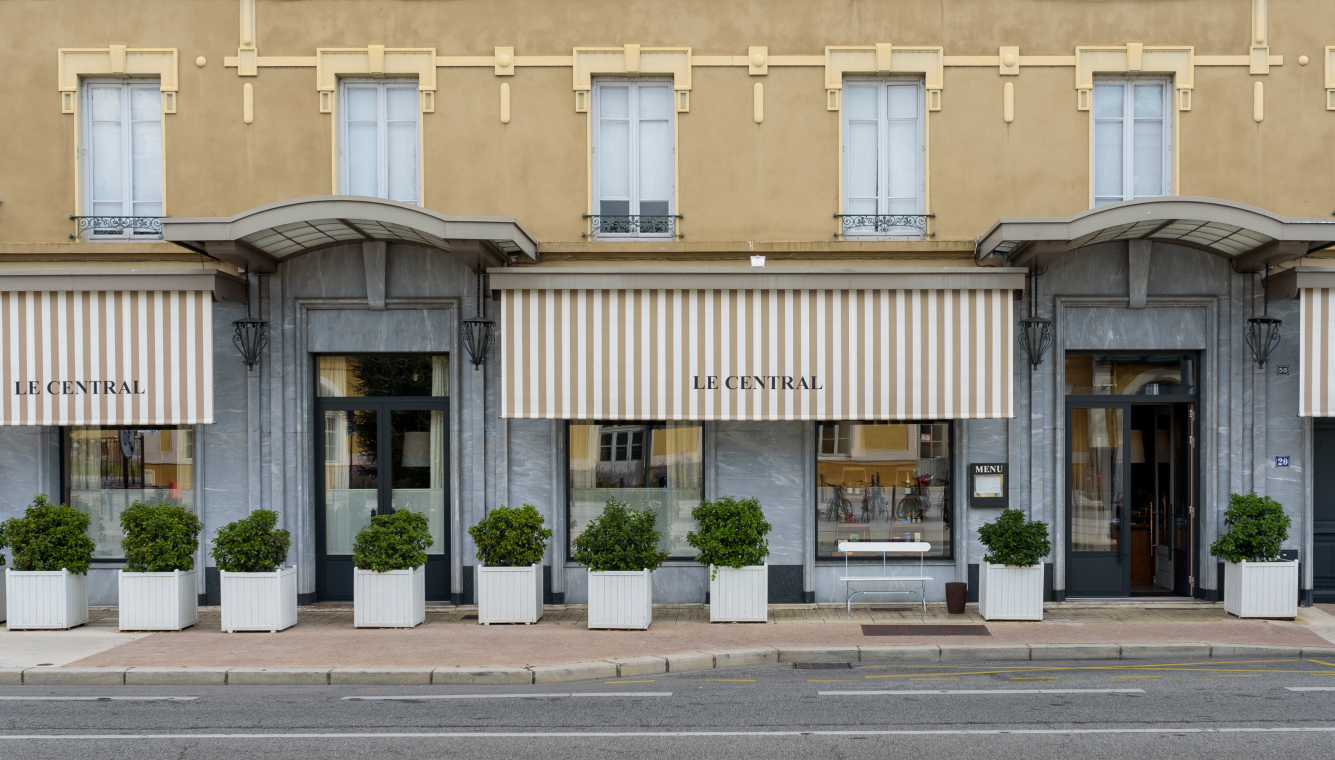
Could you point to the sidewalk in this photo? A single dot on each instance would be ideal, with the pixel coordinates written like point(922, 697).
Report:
point(325, 638)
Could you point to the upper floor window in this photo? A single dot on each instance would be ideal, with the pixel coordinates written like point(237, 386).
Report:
point(122, 155)
point(884, 157)
point(633, 159)
point(380, 155)
point(1132, 140)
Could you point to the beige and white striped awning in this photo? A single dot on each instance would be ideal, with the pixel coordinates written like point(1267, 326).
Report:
point(106, 357)
point(756, 354)
point(1316, 380)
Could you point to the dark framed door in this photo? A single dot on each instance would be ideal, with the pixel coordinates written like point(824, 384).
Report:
point(376, 456)
point(1323, 508)
point(1098, 534)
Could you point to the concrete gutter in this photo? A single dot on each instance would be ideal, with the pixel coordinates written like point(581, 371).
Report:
point(682, 662)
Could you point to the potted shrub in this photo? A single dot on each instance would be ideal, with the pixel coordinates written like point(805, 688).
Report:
point(389, 571)
point(1010, 578)
point(731, 541)
point(508, 582)
point(157, 588)
point(48, 585)
point(620, 549)
point(1257, 583)
point(258, 593)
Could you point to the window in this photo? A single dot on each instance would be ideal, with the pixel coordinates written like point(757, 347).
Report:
point(1132, 140)
point(380, 140)
point(123, 159)
point(647, 465)
point(883, 159)
point(633, 159)
point(1129, 374)
point(109, 468)
point(883, 481)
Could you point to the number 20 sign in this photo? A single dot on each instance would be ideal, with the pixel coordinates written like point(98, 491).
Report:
point(1281, 461)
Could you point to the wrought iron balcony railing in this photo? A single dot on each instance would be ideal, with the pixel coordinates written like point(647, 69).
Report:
point(634, 225)
point(142, 227)
point(884, 224)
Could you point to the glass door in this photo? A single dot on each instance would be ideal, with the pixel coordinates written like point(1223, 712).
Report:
point(1098, 531)
point(381, 445)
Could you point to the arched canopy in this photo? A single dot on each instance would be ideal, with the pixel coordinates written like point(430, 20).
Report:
point(262, 237)
point(1249, 237)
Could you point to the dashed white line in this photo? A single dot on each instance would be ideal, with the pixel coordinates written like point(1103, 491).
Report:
point(1310, 688)
point(98, 699)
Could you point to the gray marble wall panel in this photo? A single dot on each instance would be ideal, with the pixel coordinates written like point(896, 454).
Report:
point(531, 479)
point(1285, 433)
point(764, 460)
point(986, 441)
point(673, 584)
point(338, 272)
point(331, 331)
point(22, 469)
point(103, 586)
point(225, 446)
point(414, 272)
point(1158, 328)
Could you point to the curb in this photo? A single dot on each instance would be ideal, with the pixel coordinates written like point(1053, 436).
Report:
point(682, 662)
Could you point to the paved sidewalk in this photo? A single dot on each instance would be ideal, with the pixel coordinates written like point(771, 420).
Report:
point(325, 637)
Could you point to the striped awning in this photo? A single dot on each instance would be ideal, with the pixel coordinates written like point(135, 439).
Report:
point(106, 357)
point(756, 354)
point(1316, 380)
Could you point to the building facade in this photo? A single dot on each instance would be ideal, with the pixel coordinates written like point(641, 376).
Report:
point(886, 266)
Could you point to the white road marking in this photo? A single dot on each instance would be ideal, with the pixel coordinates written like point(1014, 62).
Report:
point(678, 734)
point(1310, 688)
point(981, 691)
point(99, 699)
point(517, 696)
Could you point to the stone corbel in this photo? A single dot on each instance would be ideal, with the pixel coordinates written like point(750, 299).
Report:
point(375, 62)
point(883, 58)
point(632, 60)
point(119, 62)
point(1134, 57)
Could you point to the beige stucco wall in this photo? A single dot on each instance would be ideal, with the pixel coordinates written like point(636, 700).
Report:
point(738, 181)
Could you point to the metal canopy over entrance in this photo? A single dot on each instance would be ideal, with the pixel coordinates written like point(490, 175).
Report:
point(1249, 237)
point(264, 236)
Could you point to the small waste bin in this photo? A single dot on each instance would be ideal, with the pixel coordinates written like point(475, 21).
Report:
point(955, 594)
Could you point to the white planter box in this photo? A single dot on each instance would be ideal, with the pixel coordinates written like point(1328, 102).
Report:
point(1261, 589)
point(259, 601)
point(157, 601)
point(739, 594)
point(621, 599)
point(45, 599)
point(1010, 593)
point(392, 599)
point(4, 608)
point(508, 594)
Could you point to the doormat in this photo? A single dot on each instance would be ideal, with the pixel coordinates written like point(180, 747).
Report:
point(925, 630)
point(822, 665)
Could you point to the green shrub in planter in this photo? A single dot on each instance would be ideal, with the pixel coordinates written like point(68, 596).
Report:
point(49, 537)
point(510, 537)
point(731, 532)
point(159, 538)
point(251, 545)
point(1014, 541)
point(1256, 528)
point(620, 539)
point(396, 541)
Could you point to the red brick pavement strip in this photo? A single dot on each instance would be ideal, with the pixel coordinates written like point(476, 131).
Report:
point(443, 645)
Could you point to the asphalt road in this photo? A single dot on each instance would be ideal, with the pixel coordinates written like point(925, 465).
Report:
point(1212, 709)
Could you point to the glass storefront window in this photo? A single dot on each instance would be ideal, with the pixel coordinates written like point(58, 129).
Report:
point(109, 468)
point(883, 481)
point(369, 375)
point(647, 465)
point(1130, 374)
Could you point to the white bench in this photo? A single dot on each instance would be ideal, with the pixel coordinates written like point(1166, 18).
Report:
point(885, 547)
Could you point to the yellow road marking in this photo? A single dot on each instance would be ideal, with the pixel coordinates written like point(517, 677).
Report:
point(732, 680)
point(1180, 667)
point(934, 679)
point(1239, 676)
point(649, 681)
point(829, 680)
point(1322, 662)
